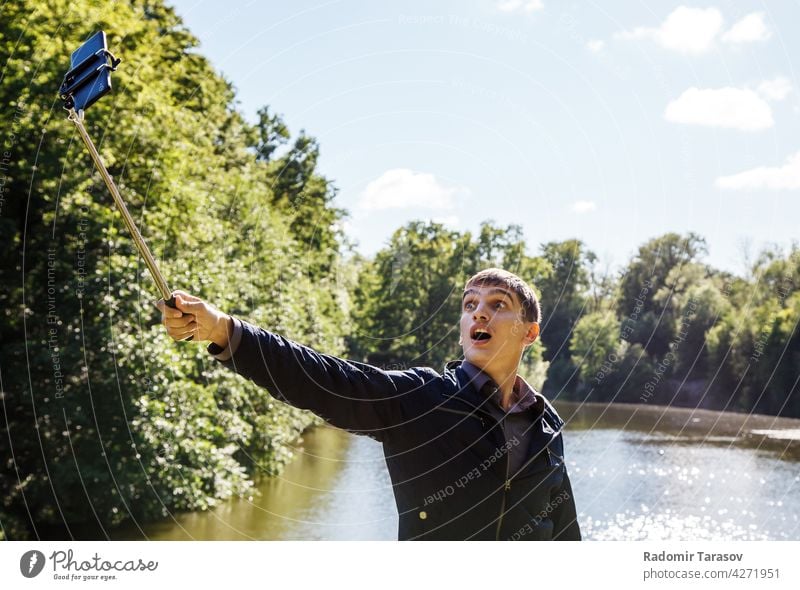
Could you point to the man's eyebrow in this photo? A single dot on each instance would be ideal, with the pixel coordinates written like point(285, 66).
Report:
point(503, 292)
point(492, 292)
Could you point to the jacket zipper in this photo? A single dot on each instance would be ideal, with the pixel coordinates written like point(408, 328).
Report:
point(507, 483)
point(506, 486)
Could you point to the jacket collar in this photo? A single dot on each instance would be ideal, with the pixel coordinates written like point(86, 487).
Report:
point(466, 389)
point(479, 380)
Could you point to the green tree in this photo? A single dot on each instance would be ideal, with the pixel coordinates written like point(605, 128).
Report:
point(410, 297)
point(596, 346)
point(272, 134)
point(647, 286)
point(565, 295)
point(754, 347)
point(301, 193)
point(104, 418)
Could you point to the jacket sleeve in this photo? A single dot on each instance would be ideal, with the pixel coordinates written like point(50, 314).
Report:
point(354, 396)
point(565, 519)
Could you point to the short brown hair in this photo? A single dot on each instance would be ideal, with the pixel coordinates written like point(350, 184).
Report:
point(531, 310)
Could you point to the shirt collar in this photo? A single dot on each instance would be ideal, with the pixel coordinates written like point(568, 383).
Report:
point(526, 395)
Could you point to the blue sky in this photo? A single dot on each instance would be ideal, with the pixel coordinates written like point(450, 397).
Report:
point(611, 122)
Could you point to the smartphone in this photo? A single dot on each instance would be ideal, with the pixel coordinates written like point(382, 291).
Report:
point(89, 78)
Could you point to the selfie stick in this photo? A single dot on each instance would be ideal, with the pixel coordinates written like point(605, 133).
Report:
point(77, 118)
point(89, 80)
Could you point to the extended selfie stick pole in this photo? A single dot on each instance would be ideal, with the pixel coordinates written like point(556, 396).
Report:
point(87, 81)
point(77, 118)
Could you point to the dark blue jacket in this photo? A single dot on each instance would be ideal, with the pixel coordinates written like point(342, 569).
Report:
point(446, 454)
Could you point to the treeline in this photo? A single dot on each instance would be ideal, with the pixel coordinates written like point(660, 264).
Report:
point(104, 418)
point(666, 329)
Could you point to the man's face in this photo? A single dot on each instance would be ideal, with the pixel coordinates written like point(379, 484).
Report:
point(493, 330)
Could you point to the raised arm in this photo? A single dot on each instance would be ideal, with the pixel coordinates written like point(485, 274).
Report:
point(350, 395)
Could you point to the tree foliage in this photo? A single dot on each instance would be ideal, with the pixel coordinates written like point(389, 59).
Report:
point(567, 296)
point(109, 419)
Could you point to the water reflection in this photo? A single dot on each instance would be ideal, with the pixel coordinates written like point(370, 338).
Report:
point(659, 473)
point(637, 487)
point(336, 488)
point(638, 473)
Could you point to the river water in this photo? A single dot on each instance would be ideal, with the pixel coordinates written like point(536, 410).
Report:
point(638, 473)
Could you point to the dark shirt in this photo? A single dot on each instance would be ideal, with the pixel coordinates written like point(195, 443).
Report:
point(517, 422)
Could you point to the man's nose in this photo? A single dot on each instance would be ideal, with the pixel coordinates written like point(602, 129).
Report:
point(480, 311)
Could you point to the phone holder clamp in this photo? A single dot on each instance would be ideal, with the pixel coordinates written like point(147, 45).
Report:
point(85, 72)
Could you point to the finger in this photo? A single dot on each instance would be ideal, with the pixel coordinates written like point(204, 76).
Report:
point(178, 333)
point(167, 311)
point(183, 334)
point(180, 322)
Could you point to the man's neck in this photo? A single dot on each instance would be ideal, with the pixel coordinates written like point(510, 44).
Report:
point(505, 381)
point(507, 396)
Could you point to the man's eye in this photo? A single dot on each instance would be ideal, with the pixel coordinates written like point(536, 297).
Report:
point(469, 305)
point(500, 304)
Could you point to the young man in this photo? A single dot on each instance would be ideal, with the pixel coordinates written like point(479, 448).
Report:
point(473, 453)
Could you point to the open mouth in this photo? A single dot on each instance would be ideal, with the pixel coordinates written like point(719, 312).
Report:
point(480, 335)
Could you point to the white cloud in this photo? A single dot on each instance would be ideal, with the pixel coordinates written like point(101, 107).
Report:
point(776, 89)
point(527, 6)
point(733, 108)
point(583, 206)
point(400, 188)
point(750, 28)
point(686, 30)
point(596, 45)
point(786, 177)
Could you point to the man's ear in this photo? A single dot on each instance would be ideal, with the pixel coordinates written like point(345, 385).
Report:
point(532, 334)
